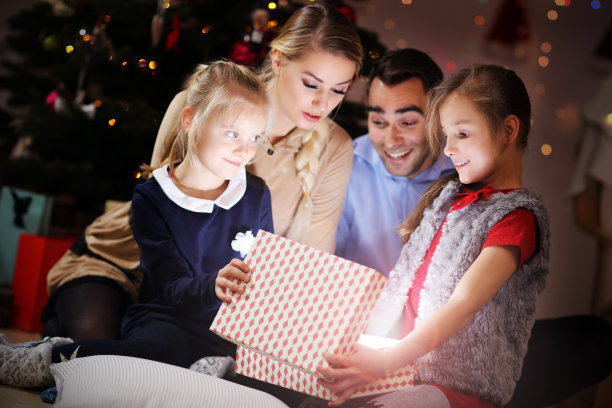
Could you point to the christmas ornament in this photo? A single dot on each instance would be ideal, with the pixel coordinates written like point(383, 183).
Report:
point(251, 50)
point(172, 38)
point(348, 11)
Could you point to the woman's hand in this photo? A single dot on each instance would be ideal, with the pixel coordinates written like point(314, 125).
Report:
point(226, 279)
point(347, 374)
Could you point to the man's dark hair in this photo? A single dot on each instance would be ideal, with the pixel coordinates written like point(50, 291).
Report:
point(398, 66)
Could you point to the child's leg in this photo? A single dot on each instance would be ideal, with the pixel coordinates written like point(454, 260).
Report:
point(155, 340)
point(27, 364)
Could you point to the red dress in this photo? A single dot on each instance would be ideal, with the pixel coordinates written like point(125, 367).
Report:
point(516, 228)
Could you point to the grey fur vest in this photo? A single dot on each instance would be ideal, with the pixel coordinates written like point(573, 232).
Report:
point(485, 357)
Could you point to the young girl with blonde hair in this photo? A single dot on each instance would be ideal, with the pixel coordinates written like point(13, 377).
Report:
point(462, 295)
point(188, 219)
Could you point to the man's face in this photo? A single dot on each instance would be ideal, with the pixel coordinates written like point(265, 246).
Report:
point(396, 125)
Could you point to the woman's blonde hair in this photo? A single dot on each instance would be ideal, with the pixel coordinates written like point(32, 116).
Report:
point(219, 89)
point(319, 28)
point(497, 92)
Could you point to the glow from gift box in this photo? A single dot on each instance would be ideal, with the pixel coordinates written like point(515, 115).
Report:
point(376, 342)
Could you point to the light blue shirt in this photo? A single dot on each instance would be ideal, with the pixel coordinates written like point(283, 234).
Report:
point(376, 203)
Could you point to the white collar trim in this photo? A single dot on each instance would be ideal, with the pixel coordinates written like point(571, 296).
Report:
point(232, 194)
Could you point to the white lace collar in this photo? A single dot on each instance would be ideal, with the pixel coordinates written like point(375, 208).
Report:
point(232, 194)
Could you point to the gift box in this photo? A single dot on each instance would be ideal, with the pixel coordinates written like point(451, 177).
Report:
point(300, 302)
point(35, 257)
point(20, 212)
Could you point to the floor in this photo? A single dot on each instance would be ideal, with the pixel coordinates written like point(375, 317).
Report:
point(12, 397)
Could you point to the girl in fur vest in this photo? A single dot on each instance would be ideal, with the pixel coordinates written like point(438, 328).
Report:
point(462, 296)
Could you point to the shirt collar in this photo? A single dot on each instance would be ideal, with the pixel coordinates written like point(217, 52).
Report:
point(232, 194)
point(362, 147)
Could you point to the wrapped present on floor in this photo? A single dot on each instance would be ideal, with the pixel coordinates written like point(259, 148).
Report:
point(20, 212)
point(300, 302)
point(35, 256)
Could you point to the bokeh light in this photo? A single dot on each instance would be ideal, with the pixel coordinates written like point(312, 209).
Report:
point(205, 29)
point(401, 43)
point(406, 1)
point(69, 49)
point(389, 24)
point(543, 61)
point(97, 103)
point(479, 20)
point(560, 113)
point(142, 63)
point(546, 47)
point(111, 122)
point(451, 66)
point(563, 3)
point(596, 4)
point(546, 149)
point(552, 15)
point(519, 52)
point(609, 119)
point(540, 89)
point(272, 5)
point(152, 65)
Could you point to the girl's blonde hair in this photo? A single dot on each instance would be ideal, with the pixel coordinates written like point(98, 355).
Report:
point(496, 92)
point(319, 28)
point(219, 89)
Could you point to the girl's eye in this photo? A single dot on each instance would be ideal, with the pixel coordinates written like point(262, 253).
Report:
point(410, 123)
point(464, 133)
point(231, 133)
point(339, 92)
point(254, 138)
point(310, 86)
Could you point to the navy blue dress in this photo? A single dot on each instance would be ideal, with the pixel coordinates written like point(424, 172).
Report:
point(184, 241)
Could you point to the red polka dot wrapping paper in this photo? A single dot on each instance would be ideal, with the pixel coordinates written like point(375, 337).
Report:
point(299, 302)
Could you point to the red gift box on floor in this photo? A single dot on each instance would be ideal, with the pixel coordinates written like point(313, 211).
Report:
point(35, 256)
point(300, 302)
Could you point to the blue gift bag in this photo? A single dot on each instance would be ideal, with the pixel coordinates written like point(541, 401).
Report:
point(20, 212)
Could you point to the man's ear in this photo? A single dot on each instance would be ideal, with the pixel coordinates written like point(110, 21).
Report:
point(512, 125)
point(186, 118)
point(276, 57)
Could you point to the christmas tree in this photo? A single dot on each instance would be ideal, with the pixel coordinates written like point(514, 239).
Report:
point(94, 78)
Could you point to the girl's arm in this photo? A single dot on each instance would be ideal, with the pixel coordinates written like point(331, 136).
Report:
point(486, 275)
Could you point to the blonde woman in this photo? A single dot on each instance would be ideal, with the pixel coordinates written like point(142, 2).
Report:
point(305, 161)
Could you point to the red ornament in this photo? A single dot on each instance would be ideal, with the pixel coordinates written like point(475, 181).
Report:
point(242, 52)
point(348, 11)
point(172, 39)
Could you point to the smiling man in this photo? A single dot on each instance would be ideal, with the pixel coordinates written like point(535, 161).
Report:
point(392, 166)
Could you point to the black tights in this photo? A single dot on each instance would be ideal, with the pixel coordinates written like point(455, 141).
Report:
point(88, 310)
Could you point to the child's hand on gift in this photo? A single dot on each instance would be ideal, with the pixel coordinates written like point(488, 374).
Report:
point(347, 374)
point(230, 278)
